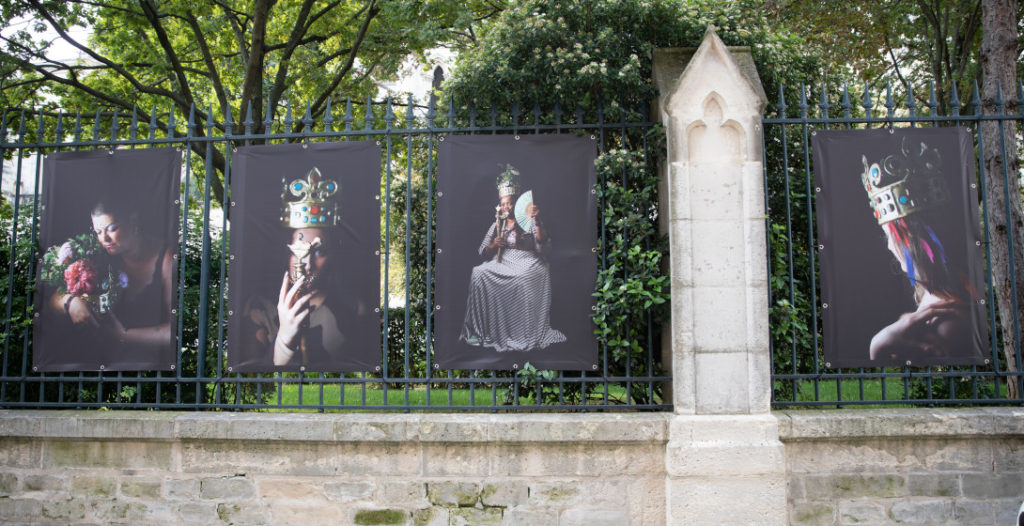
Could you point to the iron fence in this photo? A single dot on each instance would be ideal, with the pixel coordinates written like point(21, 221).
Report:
point(800, 375)
point(409, 134)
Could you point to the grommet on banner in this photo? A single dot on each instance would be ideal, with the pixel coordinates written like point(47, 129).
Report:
point(102, 367)
point(593, 191)
point(35, 369)
point(977, 243)
point(376, 252)
point(377, 368)
point(593, 137)
point(174, 312)
point(177, 201)
point(231, 313)
point(981, 302)
point(974, 185)
point(908, 363)
point(893, 131)
point(110, 152)
point(821, 247)
point(817, 189)
point(594, 367)
point(232, 203)
point(437, 366)
point(172, 366)
point(235, 149)
point(814, 133)
point(376, 309)
point(440, 139)
point(515, 366)
point(517, 137)
point(437, 307)
point(37, 314)
point(302, 368)
point(593, 249)
point(305, 145)
point(593, 307)
point(231, 369)
point(231, 257)
point(824, 305)
point(377, 197)
point(987, 361)
point(175, 256)
point(828, 364)
point(440, 194)
point(378, 143)
point(438, 251)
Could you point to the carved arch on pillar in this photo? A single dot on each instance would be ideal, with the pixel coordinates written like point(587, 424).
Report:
point(713, 138)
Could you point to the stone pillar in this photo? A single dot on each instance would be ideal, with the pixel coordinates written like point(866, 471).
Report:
point(724, 461)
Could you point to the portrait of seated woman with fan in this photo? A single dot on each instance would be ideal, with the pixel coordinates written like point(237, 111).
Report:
point(509, 303)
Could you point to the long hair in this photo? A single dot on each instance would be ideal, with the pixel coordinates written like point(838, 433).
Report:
point(932, 264)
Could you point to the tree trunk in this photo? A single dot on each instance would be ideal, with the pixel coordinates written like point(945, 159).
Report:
point(1002, 186)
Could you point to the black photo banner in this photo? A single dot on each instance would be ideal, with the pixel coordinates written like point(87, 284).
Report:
point(107, 279)
point(516, 231)
point(901, 265)
point(305, 263)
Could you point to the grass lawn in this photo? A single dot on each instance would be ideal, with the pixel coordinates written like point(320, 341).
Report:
point(870, 389)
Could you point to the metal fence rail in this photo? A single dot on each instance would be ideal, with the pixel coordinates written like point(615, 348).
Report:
point(800, 376)
point(409, 136)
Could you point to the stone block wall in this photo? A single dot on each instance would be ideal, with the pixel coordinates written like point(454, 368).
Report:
point(146, 468)
point(904, 466)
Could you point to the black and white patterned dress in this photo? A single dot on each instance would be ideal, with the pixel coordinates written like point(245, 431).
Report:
point(509, 303)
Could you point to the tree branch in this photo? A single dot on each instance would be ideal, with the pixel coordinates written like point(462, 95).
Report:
point(252, 86)
point(372, 11)
point(298, 30)
point(214, 76)
point(165, 43)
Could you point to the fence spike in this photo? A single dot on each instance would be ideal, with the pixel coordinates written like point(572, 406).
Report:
point(823, 103)
point(288, 116)
point(348, 118)
point(229, 122)
point(911, 101)
point(558, 112)
point(368, 119)
point(781, 105)
point(3, 126)
point(95, 126)
point(954, 101)
point(975, 99)
point(133, 129)
point(268, 117)
point(515, 112)
point(578, 112)
point(59, 132)
point(866, 103)
point(21, 128)
point(431, 109)
point(802, 104)
point(78, 125)
point(389, 113)
point(536, 112)
point(933, 103)
point(39, 125)
point(600, 107)
point(191, 123)
point(844, 103)
point(209, 118)
point(451, 111)
point(114, 127)
point(409, 115)
point(473, 114)
point(889, 104)
point(248, 122)
point(494, 112)
point(328, 119)
point(307, 119)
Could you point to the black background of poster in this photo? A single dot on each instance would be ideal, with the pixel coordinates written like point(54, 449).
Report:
point(861, 281)
point(260, 254)
point(560, 171)
point(73, 183)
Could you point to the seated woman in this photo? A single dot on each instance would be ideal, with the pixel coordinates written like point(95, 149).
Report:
point(140, 318)
point(908, 196)
point(509, 303)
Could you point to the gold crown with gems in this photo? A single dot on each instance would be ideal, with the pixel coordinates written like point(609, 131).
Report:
point(312, 209)
point(508, 181)
point(905, 183)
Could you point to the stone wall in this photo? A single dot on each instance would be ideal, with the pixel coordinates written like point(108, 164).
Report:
point(149, 468)
point(904, 466)
point(893, 466)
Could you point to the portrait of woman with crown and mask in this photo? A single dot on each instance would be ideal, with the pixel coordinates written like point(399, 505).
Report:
point(516, 267)
point(316, 316)
point(108, 276)
point(923, 213)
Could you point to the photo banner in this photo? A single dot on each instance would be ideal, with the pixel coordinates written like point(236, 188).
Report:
point(901, 258)
point(107, 278)
point(518, 288)
point(305, 262)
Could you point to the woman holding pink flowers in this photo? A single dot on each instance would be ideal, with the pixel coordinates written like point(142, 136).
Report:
point(121, 290)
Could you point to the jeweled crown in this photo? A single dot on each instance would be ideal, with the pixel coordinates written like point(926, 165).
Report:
point(905, 183)
point(508, 181)
point(312, 209)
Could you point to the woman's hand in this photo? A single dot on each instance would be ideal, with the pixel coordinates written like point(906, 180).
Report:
point(291, 312)
point(80, 312)
point(111, 325)
point(497, 242)
point(925, 331)
point(532, 211)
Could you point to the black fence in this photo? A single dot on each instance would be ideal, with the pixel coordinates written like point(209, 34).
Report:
point(409, 135)
point(800, 374)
